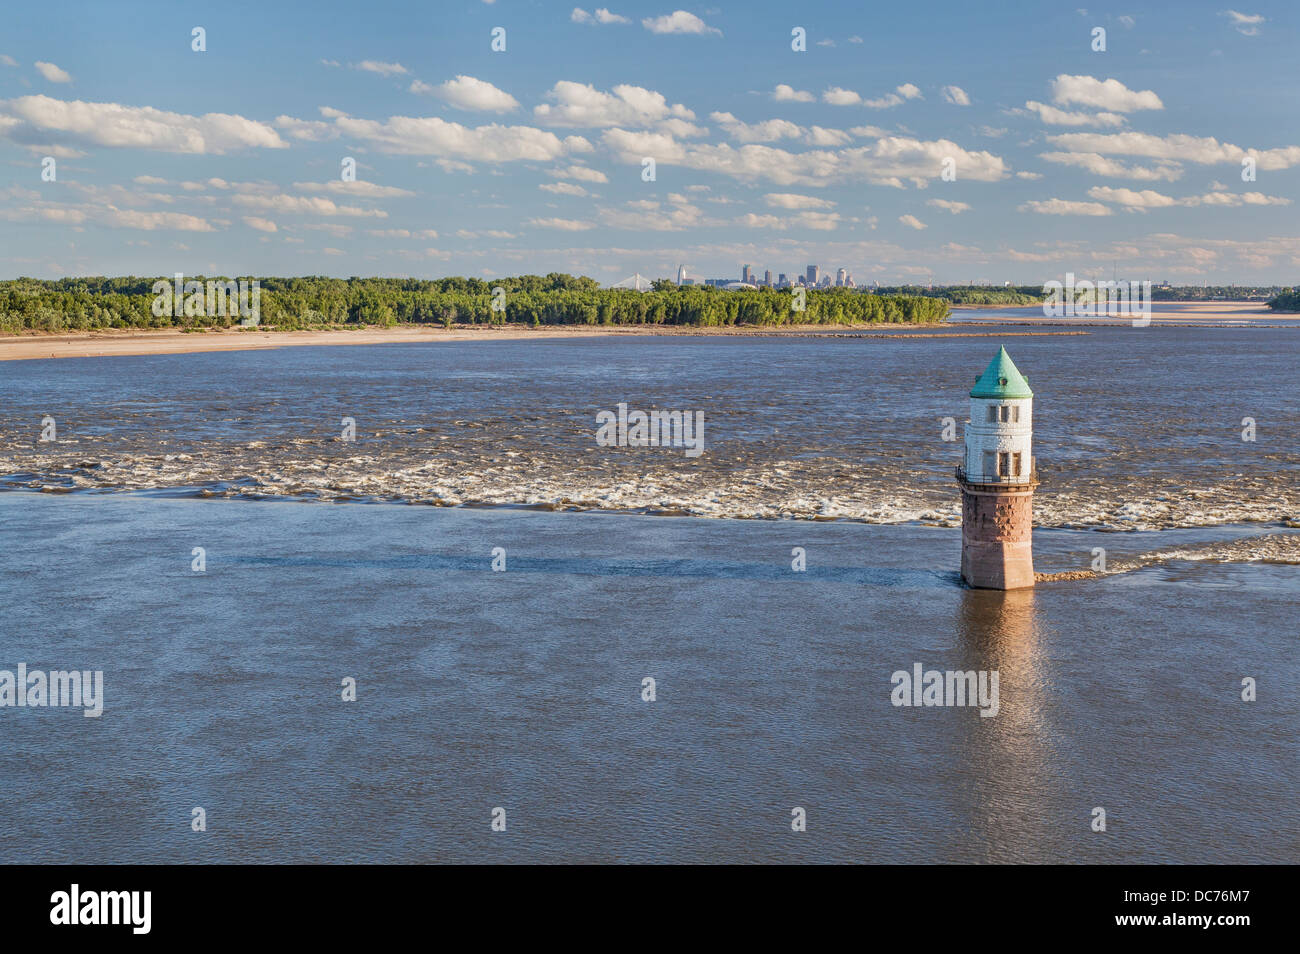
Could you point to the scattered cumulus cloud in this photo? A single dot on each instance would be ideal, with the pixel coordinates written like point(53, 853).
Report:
point(564, 225)
point(1204, 150)
point(601, 16)
point(1247, 24)
point(790, 200)
point(581, 173)
point(1064, 117)
point(468, 93)
point(788, 94)
point(383, 69)
point(52, 73)
point(1108, 94)
point(679, 21)
point(1100, 165)
point(1064, 207)
point(582, 105)
point(135, 127)
point(948, 205)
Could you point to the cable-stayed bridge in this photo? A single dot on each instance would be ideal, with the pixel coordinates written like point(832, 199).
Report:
point(637, 281)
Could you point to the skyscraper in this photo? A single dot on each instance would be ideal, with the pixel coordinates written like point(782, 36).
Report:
point(681, 274)
point(814, 273)
point(746, 275)
point(840, 277)
point(767, 277)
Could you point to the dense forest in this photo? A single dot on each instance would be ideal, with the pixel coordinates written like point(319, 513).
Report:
point(1286, 301)
point(1214, 292)
point(554, 299)
point(974, 294)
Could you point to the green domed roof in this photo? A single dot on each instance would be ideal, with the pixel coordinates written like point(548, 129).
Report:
point(1001, 380)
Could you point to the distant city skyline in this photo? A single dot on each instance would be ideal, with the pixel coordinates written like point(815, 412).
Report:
point(394, 140)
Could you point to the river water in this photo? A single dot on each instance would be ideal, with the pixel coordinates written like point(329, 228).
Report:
point(523, 689)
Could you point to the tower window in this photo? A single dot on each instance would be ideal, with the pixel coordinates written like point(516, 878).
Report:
point(1004, 465)
point(988, 462)
point(993, 413)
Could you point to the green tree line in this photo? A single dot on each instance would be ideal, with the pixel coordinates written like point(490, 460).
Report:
point(1286, 301)
point(974, 294)
point(82, 304)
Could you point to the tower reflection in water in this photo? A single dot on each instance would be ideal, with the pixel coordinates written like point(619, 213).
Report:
point(1014, 788)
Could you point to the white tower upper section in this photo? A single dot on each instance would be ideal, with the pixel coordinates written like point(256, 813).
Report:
point(999, 434)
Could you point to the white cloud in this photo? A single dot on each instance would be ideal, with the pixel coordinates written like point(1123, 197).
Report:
point(383, 69)
point(1145, 199)
point(138, 127)
point(7, 60)
point(1060, 117)
point(564, 188)
point(582, 173)
point(1176, 148)
point(432, 136)
point(681, 128)
point(262, 225)
point(303, 205)
point(357, 189)
point(817, 221)
point(307, 130)
point(679, 21)
point(1149, 199)
point(837, 96)
point(948, 205)
point(485, 233)
point(647, 214)
point(955, 95)
point(1064, 207)
point(466, 92)
point(769, 130)
point(1102, 166)
point(110, 217)
point(789, 200)
point(890, 100)
point(788, 94)
point(564, 225)
point(602, 15)
point(891, 160)
point(403, 233)
point(582, 105)
point(52, 73)
point(1108, 94)
point(912, 222)
point(820, 136)
point(1246, 24)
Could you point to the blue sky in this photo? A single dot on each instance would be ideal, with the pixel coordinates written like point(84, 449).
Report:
point(477, 162)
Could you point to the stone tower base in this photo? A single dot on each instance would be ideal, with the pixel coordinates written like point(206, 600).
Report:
point(996, 536)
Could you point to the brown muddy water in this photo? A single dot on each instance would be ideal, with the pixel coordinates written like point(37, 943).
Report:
point(523, 689)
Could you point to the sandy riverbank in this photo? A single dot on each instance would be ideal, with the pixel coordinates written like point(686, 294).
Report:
point(110, 343)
